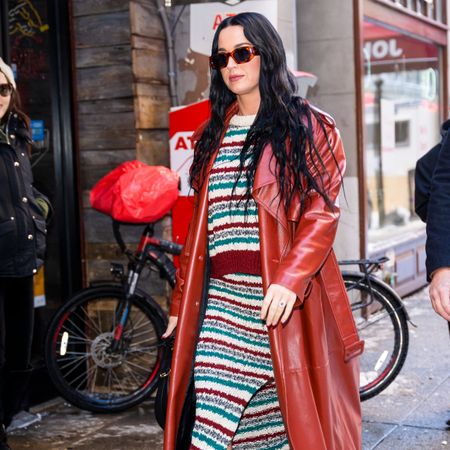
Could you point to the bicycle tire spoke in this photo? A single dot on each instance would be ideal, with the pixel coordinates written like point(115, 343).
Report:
point(94, 328)
point(91, 320)
point(69, 319)
point(118, 381)
point(73, 368)
point(73, 360)
point(99, 316)
point(150, 350)
point(135, 344)
point(137, 312)
point(135, 335)
point(138, 383)
point(138, 366)
point(94, 378)
point(85, 375)
point(73, 337)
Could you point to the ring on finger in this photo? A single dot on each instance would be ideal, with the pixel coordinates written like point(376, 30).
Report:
point(281, 304)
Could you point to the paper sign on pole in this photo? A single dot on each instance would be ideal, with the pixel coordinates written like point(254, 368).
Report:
point(182, 123)
point(39, 288)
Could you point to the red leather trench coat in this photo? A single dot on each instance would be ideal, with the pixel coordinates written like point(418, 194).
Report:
point(314, 353)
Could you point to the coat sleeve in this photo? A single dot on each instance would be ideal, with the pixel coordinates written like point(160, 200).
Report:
point(316, 230)
point(438, 217)
point(422, 181)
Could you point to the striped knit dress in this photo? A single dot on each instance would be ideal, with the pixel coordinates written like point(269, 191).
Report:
point(237, 401)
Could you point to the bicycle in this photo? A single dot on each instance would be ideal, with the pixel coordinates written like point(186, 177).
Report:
point(382, 322)
point(103, 346)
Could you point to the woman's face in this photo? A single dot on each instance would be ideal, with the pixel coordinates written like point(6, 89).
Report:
point(241, 79)
point(4, 101)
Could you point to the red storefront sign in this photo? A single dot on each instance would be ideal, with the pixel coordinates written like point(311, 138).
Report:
point(387, 50)
point(183, 122)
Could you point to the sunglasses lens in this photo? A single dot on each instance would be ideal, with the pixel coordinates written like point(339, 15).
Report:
point(5, 90)
point(242, 55)
point(219, 60)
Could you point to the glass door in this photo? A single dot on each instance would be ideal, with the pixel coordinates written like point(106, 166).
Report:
point(37, 46)
point(402, 120)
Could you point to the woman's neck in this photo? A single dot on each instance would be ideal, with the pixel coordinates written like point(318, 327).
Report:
point(248, 104)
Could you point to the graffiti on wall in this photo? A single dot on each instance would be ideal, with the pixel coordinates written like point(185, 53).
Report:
point(28, 32)
point(25, 21)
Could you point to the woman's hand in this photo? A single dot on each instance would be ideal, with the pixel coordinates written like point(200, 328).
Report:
point(173, 321)
point(277, 303)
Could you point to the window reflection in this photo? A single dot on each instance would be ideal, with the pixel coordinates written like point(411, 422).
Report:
point(401, 101)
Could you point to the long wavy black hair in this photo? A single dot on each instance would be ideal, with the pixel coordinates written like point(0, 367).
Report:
point(283, 120)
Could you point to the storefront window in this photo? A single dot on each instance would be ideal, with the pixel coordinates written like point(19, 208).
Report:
point(401, 100)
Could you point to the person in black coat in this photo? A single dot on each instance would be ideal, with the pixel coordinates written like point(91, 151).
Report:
point(433, 206)
point(22, 247)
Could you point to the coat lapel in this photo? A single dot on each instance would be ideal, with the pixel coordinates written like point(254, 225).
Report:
point(266, 188)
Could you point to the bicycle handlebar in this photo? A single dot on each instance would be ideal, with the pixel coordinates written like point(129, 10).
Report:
point(366, 266)
point(163, 244)
point(365, 262)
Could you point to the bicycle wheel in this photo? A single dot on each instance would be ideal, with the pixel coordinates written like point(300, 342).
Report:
point(79, 361)
point(383, 325)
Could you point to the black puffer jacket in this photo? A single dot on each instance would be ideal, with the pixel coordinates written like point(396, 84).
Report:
point(22, 226)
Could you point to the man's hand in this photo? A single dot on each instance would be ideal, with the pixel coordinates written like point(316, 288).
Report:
point(277, 303)
point(440, 292)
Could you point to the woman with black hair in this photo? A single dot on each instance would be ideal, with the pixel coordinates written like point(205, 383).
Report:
point(22, 246)
point(263, 325)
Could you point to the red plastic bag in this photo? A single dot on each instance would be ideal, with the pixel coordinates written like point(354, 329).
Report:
point(136, 193)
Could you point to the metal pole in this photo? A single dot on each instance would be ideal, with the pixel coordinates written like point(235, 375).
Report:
point(170, 52)
point(379, 175)
point(4, 35)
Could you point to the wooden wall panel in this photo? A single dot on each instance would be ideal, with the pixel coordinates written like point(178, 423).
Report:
point(108, 105)
point(151, 106)
point(103, 56)
point(83, 7)
point(122, 104)
point(103, 29)
point(105, 82)
point(145, 21)
point(153, 147)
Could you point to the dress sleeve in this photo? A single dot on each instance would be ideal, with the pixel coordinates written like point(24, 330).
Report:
point(317, 225)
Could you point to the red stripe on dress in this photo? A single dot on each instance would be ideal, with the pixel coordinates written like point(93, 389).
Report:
point(214, 426)
point(228, 199)
point(262, 413)
point(241, 282)
point(235, 347)
point(219, 169)
point(233, 302)
point(231, 369)
point(261, 437)
point(232, 398)
point(241, 225)
point(232, 261)
point(237, 325)
point(232, 144)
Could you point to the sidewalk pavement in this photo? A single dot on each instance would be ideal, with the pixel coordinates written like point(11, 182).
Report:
point(410, 414)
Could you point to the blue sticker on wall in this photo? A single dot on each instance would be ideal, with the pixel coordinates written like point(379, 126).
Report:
point(37, 130)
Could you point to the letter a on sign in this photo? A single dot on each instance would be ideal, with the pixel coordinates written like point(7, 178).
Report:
point(217, 21)
point(181, 144)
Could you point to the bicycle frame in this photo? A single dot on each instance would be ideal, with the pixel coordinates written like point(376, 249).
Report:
point(150, 250)
point(366, 269)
